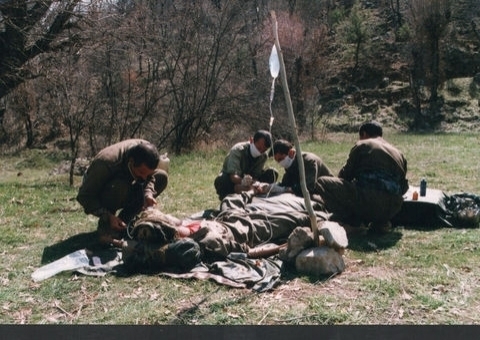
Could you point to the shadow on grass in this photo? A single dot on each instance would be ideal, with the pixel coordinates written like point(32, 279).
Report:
point(290, 273)
point(371, 242)
point(374, 242)
point(71, 244)
point(209, 305)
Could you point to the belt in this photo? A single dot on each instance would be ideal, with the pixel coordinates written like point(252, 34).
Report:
point(379, 180)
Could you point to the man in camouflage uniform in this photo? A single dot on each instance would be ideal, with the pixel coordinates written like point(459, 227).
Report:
point(121, 176)
point(370, 186)
point(243, 222)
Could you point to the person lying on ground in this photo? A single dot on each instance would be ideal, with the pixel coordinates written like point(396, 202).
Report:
point(239, 229)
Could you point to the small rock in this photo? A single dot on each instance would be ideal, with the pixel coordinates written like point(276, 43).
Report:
point(319, 261)
point(334, 234)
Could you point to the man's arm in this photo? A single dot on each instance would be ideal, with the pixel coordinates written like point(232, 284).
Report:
point(349, 169)
point(150, 193)
point(311, 173)
point(233, 164)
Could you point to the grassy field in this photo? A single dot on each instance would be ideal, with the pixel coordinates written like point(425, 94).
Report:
point(410, 276)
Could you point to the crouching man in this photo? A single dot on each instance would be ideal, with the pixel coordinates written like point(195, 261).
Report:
point(370, 186)
point(123, 176)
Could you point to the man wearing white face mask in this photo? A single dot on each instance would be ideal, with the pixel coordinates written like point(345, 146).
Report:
point(285, 154)
point(243, 166)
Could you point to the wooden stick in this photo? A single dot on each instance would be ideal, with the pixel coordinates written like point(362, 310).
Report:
point(265, 251)
point(291, 116)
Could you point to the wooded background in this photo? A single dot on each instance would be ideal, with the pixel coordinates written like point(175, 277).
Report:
point(188, 74)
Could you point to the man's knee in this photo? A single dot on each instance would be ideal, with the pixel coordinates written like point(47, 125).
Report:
point(269, 175)
point(223, 186)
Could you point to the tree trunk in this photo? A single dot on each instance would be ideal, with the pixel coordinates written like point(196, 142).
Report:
point(28, 129)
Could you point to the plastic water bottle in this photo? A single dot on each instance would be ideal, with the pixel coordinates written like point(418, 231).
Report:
point(423, 187)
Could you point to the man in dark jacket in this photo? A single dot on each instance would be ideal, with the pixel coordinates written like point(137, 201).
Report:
point(123, 176)
point(370, 186)
point(285, 154)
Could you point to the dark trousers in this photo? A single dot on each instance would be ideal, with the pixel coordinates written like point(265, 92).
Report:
point(355, 205)
point(121, 194)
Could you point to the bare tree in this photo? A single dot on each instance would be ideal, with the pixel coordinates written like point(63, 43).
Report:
point(475, 29)
point(197, 55)
point(22, 101)
point(430, 19)
point(397, 16)
point(304, 46)
point(28, 29)
point(71, 102)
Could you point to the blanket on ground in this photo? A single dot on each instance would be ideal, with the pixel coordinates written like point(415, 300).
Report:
point(237, 270)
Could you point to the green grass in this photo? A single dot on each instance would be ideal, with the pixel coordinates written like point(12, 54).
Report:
point(411, 276)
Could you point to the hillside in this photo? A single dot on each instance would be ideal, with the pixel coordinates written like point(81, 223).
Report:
point(381, 89)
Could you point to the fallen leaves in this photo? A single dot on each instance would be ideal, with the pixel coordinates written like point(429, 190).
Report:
point(21, 316)
point(16, 201)
point(406, 296)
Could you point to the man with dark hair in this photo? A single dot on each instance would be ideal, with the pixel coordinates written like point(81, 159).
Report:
point(370, 186)
point(285, 154)
point(121, 176)
point(243, 166)
point(372, 129)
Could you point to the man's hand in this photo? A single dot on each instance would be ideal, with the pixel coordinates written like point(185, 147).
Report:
point(150, 201)
point(260, 188)
point(116, 223)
